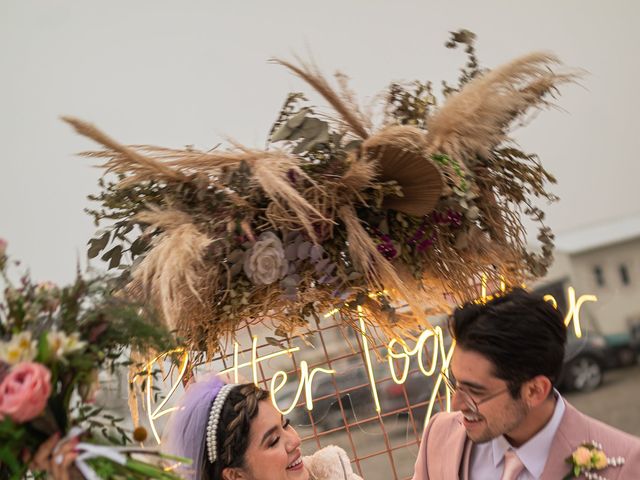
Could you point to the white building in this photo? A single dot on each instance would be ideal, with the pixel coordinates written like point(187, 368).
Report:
point(603, 260)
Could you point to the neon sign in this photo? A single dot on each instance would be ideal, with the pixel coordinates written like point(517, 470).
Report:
point(397, 350)
point(158, 412)
point(573, 312)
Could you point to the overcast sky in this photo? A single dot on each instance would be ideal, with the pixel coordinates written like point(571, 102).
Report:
point(192, 72)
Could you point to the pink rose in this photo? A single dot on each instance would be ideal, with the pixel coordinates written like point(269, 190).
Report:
point(582, 457)
point(24, 391)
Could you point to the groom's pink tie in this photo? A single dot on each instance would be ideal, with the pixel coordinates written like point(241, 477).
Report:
point(512, 466)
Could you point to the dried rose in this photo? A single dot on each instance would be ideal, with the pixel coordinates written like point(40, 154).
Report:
point(265, 262)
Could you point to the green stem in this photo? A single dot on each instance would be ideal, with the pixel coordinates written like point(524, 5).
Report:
point(150, 471)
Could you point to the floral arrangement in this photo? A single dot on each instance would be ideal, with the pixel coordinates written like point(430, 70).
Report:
point(336, 212)
point(588, 458)
point(53, 343)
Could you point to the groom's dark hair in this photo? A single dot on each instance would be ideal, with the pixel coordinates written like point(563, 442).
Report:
point(519, 332)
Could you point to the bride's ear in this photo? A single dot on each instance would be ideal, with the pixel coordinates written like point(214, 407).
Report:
point(233, 474)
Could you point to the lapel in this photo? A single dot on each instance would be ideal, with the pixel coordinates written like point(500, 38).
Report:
point(453, 447)
point(572, 431)
point(466, 459)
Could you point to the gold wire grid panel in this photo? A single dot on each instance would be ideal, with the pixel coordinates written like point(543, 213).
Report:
point(381, 445)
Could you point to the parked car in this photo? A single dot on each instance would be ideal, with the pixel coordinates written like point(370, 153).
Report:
point(348, 387)
point(624, 348)
point(586, 360)
point(634, 328)
point(418, 389)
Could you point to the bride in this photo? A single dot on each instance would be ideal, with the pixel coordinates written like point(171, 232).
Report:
point(233, 432)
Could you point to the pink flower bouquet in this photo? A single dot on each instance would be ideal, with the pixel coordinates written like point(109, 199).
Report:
point(53, 343)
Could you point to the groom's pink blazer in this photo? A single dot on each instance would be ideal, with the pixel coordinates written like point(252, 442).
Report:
point(443, 455)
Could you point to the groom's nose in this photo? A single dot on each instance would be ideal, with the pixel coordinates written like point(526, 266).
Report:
point(457, 402)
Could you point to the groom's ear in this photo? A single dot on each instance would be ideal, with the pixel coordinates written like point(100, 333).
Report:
point(536, 391)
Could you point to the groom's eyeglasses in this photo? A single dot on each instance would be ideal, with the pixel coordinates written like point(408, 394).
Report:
point(466, 397)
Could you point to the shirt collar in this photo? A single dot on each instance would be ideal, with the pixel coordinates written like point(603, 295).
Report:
point(535, 451)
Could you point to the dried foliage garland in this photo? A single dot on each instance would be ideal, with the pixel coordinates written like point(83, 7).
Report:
point(337, 213)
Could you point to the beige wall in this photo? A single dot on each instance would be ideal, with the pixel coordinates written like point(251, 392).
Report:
point(617, 302)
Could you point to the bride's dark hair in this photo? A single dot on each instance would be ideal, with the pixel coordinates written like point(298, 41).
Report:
point(240, 408)
point(185, 434)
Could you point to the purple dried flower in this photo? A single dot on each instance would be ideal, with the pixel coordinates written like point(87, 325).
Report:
point(427, 243)
point(387, 250)
point(385, 247)
point(420, 232)
point(451, 218)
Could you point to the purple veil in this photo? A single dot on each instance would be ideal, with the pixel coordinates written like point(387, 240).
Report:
point(184, 434)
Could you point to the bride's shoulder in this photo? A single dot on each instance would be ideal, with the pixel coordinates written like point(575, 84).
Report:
point(330, 463)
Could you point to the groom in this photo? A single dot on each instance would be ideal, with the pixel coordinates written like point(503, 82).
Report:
point(510, 423)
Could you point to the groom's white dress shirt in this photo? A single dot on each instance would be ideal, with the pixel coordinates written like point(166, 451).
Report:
point(487, 459)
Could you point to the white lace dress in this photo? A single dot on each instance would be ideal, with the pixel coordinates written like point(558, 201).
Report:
point(330, 463)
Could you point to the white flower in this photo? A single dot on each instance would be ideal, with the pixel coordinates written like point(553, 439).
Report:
point(21, 348)
point(60, 344)
point(56, 341)
point(73, 343)
point(265, 263)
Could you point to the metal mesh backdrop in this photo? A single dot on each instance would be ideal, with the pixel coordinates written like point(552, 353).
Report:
point(381, 445)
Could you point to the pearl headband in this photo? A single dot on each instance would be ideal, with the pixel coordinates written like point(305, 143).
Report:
point(214, 418)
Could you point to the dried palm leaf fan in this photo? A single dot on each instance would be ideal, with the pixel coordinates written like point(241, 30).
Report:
point(401, 153)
